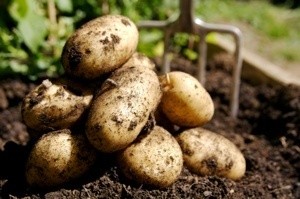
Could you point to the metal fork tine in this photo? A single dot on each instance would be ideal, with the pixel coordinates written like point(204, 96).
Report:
point(201, 64)
point(186, 22)
point(205, 28)
point(166, 56)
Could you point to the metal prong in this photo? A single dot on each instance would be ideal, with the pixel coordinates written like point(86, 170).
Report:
point(186, 22)
point(204, 28)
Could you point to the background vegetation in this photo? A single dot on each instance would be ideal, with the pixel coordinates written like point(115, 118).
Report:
point(33, 32)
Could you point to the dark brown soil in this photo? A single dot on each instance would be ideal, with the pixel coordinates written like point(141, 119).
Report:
point(267, 131)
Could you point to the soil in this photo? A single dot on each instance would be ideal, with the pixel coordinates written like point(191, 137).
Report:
point(267, 131)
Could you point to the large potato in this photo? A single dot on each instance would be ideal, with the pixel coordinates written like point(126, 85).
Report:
point(185, 102)
point(55, 105)
point(208, 153)
point(122, 108)
point(59, 157)
point(154, 159)
point(100, 46)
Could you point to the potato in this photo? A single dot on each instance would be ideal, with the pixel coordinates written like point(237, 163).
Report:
point(154, 158)
point(52, 106)
point(122, 107)
point(139, 59)
point(208, 153)
point(59, 157)
point(100, 46)
point(185, 102)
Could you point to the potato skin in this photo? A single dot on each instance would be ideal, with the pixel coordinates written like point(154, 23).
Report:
point(139, 59)
point(208, 153)
point(185, 102)
point(100, 46)
point(58, 157)
point(154, 159)
point(122, 108)
point(55, 105)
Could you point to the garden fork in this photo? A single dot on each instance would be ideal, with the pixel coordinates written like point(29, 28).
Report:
point(186, 22)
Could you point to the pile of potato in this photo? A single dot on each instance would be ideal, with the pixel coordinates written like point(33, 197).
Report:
point(111, 100)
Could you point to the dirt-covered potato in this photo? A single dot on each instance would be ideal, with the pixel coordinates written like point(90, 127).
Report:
point(59, 157)
point(154, 158)
point(139, 59)
point(55, 105)
point(185, 102)
point(100, 46)
point(122, 107)
point(208, 153)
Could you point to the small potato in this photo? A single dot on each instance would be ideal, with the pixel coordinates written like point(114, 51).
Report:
point(138, 59)
point(55, 105)
point(57, 158)
point(154, 159)
point(185, 102)
point(122, 108)
point(100, 46)
point(208, 153)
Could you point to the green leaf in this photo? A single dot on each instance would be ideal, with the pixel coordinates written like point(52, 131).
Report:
point(212, 38)
point(32, 25)
point(190, 54)
point(33, 29)
point(64, 5)
point(18, 67)
point(18, 9)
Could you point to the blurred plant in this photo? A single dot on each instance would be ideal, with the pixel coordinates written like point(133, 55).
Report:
point(31, 37)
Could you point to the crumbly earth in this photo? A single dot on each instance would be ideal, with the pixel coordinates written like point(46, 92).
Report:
point(267, 132)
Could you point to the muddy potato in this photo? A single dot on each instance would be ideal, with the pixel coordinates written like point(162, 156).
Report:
point(185, 102)
point(122, 108)
point(100, 46)
point(208, 153)
point(154, 158)
point(139, 59)
point(55, 105)
point(57, 158)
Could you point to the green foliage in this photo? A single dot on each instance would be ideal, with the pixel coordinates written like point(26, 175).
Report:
point(31, 25)
point(24, 48)
point(150, 42)
point(65, 6)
